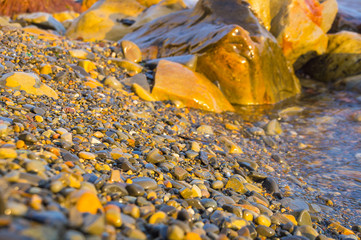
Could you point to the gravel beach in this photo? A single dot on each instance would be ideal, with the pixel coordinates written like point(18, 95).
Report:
point(83, 157)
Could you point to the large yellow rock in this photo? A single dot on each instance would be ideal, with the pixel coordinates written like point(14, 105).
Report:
point(101, 21)
point(28, 82)
point(176, 82)
point(342, 59)
point(234, 50)
point(66, 15)
point(300, 26)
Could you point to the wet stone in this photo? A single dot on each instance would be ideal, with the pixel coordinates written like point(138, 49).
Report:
point(146, 182)
point(265, 231)
point(155, 157)
point(179, 173)
point(135, 190)
point(209, 203)
point(304, 218)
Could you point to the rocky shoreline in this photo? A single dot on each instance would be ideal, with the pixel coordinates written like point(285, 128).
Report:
point(94, 161)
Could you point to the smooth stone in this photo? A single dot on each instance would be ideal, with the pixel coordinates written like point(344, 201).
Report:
point(127, 65)
point(209, 227)
point(180, 173)
point(217, 184)
point(140, 79)
point(304, 218)
point(205, 130)
point(113, 83)
point(236, 184)
point(85, 201)
point(308, 231)
point(38, 232)
point(189, 61)
point(195, 203)
point(158, 218)
point(230, 145)
point(209, 203)
point(265, 231)
point(115, 188)
point(28, 82)
point(142, 93)
point(155, 157)
point(74, 235)
point(53, 218)
point(16, 209)
point(87, 155)
point(175, 233)
point(93, 224)
point(6, 153)
point(273, 128)
point(146, 182)
point(263, 220)
point(35, 166)
point(131, 51)
point(81, 54)
point(270, 185)
point(172, 81)
point(135, 190)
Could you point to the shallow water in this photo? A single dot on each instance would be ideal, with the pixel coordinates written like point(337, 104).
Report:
point(329, 157)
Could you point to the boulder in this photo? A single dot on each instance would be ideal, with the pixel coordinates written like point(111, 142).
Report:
point(342, 59)
point(14, 7)
point(42, 20)
point(28, 82)
point(66, 15)
point(104, 20)
point(173, 81)
point(300, 26)
point(234, 50)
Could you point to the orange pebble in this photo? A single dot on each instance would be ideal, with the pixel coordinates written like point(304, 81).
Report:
point(88, 202)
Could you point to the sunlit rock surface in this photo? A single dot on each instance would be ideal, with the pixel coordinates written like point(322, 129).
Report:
point(234, 50)
point(300, 26)
point(103, 20)
point(175, 82)
point(28, 82)
point(342, 59)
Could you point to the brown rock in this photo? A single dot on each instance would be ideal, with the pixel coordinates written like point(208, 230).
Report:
point(176, 82)
point(237, 53)
point(131, 51)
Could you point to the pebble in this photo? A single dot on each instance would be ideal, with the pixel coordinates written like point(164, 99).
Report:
point(308, 231)
point(175, 233)
point(6, 153)
point(265, 231)
point(146, 182)
point(87, 155)
point(135, 190)
point(179, 173)
point(155, 157)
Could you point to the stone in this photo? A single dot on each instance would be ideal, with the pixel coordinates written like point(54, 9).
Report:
point(93, 224)
point(299, 26)
point(131, 51)
point(65, 15)
point(157, 218)
point(86, 155)
point(308, 232)
point(263, 220)
point(135, 190)
point(236, 184)
point(155, 157)
point(179, 173)
point(189, 61)
point(237, 53)
point(28, 82)
point(296, 205)
point(101, 20)
point(175, 233)
point(342, 58)
point(6, 153)
point(205, 130)
point(155, 11)
point(230, 146)
point(304, 218)
point(129, 66)
point(85, 201)
point(113, 83)
point(146, 182)
point(81, 54)
point(87, 65)
point(217, 184)
point(273, 127)
point(172, 81)
point(113, 215)
point(42, 20)
point(265, 231)
point(142, 93)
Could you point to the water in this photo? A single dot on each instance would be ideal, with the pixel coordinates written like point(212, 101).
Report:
point(331, 160)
